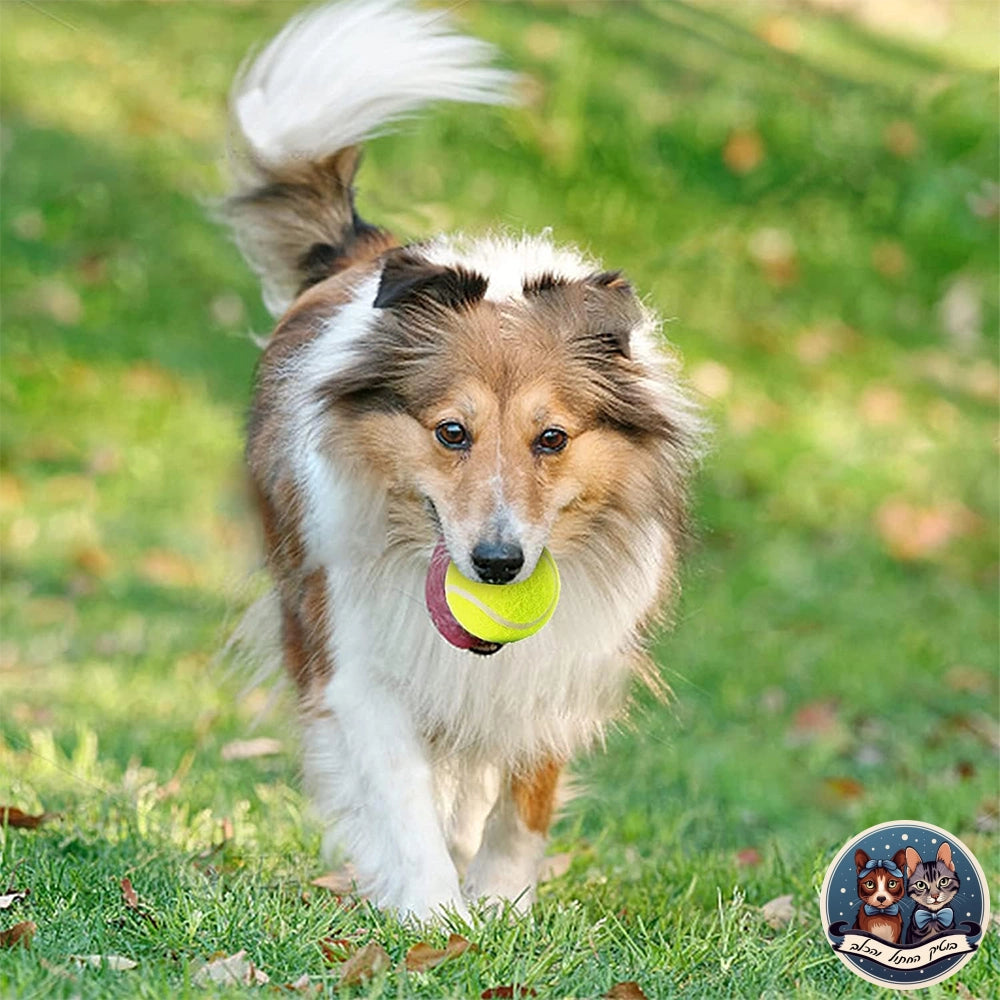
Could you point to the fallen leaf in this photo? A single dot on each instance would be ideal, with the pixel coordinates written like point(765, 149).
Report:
point(911, 532)
point(264, 746)
point(712, 379)
point(422, 956)
point(342, 882)
point(744, 151)
point(169, 569)
point(774, 252)
point(129, 894)
point(843, 788)
point(815, 719)
point(117, 963)
point(19, 934)
point(131, 899)
point(301, 985)
point(94, 560)
point(9, 816)
point(748, 857)
point(629, 990)
point(781, 32)
point(507, 993)
point(364, 964)
point(9, 898)
point(889, 259)
point(232, 970)
point(778, 912)
point(901, 139)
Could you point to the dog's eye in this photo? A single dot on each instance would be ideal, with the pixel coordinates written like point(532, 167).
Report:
point(869, 884)
point(891, 883)
point(551, 440)
point(452, 434)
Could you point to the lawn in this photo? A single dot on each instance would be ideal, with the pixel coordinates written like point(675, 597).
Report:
point(812, 202)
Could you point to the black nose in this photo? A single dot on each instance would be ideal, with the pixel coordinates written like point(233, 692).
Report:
point(497, 562)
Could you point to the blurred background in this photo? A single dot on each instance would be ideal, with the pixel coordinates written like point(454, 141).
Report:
point(807, 191)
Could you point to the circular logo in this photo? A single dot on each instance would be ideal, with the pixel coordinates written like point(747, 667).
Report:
point(904, 904)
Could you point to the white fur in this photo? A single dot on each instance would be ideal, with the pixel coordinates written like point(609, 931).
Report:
point(409, 754)
point(341, 73)
point(411, 815)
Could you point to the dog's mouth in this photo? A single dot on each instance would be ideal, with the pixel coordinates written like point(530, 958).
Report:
point(444, 621)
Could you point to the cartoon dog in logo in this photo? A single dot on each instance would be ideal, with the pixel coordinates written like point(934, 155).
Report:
point(880, 888)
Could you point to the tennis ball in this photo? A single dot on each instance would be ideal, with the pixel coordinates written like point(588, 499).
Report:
point(504, 612)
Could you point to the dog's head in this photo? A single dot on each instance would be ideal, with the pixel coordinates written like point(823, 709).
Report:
point(507, 423)
point(880, 883)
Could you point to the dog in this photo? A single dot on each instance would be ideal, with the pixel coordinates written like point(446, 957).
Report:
point(499, 394)
point(880, 888)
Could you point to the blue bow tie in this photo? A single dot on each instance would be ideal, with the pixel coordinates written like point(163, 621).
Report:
point(887, 865)
point(944, 917)
point(886, 911)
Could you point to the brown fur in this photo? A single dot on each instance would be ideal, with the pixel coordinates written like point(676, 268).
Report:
point(534, 795)
point(884, 890)
point(296, 224)
point(507, 372)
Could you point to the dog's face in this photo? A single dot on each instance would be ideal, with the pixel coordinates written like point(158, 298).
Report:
point(878, 886)
point(503, 426)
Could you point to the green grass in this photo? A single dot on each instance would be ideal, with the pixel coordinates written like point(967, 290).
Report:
point(835, 655)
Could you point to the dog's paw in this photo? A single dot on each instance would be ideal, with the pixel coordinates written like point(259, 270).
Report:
point(496, 883)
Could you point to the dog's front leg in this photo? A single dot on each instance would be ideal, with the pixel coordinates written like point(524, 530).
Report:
point(368, 771)
point(506, 865)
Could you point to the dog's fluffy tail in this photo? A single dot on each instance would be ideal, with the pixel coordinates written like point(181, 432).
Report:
point(335, 76)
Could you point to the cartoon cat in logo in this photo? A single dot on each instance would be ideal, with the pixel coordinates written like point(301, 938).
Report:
point(932, 886)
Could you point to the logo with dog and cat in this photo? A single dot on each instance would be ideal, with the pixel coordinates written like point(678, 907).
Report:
point(904, 904)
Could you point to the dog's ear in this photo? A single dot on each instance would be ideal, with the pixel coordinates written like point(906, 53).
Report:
point(409, 279)
point(912, 860)
point(860, 860)
point(899, 859)
point(611, 312)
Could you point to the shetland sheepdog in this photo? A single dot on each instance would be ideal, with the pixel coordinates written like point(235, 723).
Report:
point(497, 395)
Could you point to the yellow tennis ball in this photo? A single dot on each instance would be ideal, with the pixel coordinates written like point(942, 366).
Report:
point(504, 612)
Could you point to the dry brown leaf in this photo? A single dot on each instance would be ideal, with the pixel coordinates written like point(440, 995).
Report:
point(364, 964)
point(12, 896)
point(20, 934)
point(169, 569)
point(129, 894)
point(9, 816)
point(342, 882)
point(629, 990)
point(423, 956)
point(231, 970)
point(778, 912)
point(744, 151)
point(843, 788)
point(131, 899)
point(301, 985)
point(507, 993)
point(117, 963)
point(814, 720)
point(911, 532)
point(263, 746)
point(748, 857)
